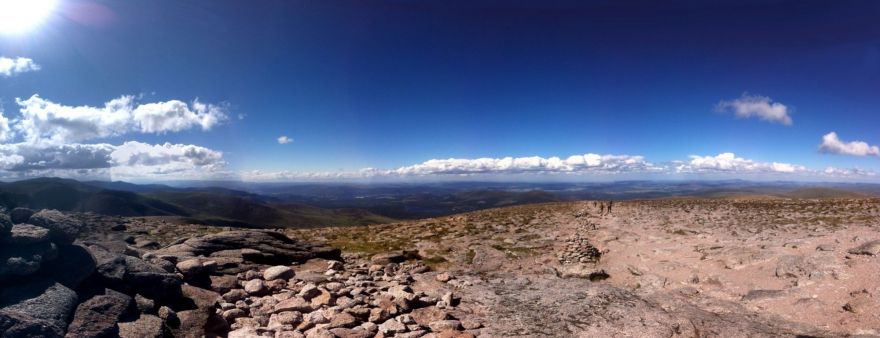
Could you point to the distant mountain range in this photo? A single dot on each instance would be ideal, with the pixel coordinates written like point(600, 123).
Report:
point(311, 205)
point(216, 206)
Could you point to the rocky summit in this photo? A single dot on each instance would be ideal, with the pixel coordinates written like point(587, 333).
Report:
point(53, 284)
point(665, 268)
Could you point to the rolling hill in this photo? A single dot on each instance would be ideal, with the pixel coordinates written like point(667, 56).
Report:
point(216, 206)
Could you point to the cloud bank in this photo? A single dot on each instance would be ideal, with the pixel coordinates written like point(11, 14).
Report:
point(44, 121)
point(14, 66)
point(586, 166)
point(831, 144)
point(730, 163)
point(762, 107)
point(509, 165)
point(52, 139)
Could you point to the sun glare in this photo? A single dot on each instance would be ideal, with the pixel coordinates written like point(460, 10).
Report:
point(19, 16)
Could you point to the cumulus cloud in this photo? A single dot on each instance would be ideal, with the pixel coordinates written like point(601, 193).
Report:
point(22, 157)
point(284, 139)
point(52, 139)
point(5, 130)
point(133, 153)
point(729, 163)
point(175, 116)
point(848, 173)
point(44, 121)
point(762, 107)
point(510, 165)
point(586, 164)
point(831, 144)
point(15, 66)
point(131, 159)
point(139, 160)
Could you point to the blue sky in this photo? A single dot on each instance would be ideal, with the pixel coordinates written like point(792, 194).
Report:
point(392, 84)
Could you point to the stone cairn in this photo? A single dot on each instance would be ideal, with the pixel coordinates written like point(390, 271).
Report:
point(578, 249)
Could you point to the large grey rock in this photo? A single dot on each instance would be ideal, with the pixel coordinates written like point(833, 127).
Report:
point(201, 320)
point(98, 316)
point(267, 247)
point(224, 283)
point(23, 234)
point(869, 248)
point(36, 308)
point(278, 272)
point(388, 258)
point(5, 226)
point(428, 315)
point(73, 265)
point(146, 326)
point(793, 266)
point(191, 267)
point(18, 325)
point(22, 260)
point(133, 275)
point(445, 325)
point(62, 228)
point(20, 215)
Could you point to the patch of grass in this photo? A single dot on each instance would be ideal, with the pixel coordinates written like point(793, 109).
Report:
point(469, 258)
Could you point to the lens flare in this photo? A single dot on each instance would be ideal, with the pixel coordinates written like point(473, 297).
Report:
point(19, 16)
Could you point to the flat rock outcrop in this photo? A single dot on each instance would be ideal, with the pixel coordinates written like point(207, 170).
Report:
point(35, 308)
point(267, 247)
point(99, 315)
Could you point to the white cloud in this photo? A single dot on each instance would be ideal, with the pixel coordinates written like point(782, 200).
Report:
point(510, 165)
point(729, 163)
point(49, 140)
point(175, 116)
point(140, 160)
point(134, 153)
point(14, 66)
point(833, 145)
point(284, 140)
point(131, 160)
point(43, 121)
point(262, 175)
point(5, 130)
point(588, 164)
point(848, 173)
point(22, 157)
point(756, 106)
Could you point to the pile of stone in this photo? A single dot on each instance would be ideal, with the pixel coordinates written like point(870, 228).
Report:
point(328, 298)
point(579, 258)
point(578, 249)
point(53, 285)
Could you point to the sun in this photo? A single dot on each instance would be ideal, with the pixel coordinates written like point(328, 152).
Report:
point(19, 16)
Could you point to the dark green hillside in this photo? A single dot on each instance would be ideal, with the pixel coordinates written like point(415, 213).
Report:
point(224, 207)
point(71, 195)
point(217, 206)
